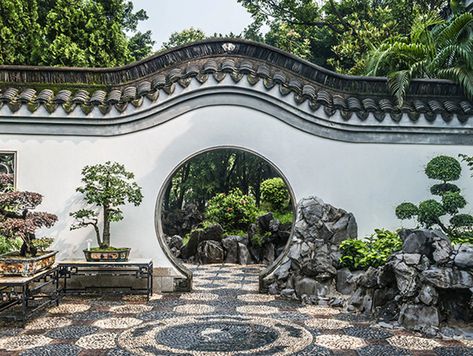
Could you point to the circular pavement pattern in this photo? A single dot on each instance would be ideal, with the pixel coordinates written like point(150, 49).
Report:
point(222, 335)
point(224, 315)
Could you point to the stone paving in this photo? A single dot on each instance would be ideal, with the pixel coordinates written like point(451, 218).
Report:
point(225, 315)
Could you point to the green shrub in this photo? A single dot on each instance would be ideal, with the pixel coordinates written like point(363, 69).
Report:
point(373, 251)
point(274, 191)
point(406, 210)
point(462, 240)
point(284, 218)
point(259, 239)
point(9, 245)
point(234, 211)
point(443, 168)
point(431, 213)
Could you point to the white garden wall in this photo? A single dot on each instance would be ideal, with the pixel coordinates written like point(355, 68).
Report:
point(366, 179)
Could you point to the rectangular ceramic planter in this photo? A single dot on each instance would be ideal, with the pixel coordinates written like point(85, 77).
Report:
point(26, 266)
point(119, 255)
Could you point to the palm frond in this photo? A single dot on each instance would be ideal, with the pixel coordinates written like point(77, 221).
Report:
point(460, 75)
point(460, 27)
point(398, 83)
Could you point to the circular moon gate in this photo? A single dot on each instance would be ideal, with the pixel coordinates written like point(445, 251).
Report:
point(185, 284)
point(216, 335)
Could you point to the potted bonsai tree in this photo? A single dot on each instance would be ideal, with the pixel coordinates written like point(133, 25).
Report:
point(17, 221)
point(106, 187)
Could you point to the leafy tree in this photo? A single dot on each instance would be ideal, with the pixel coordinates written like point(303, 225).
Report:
point(106, 186)
point(183, 37)
point(435, 48)
point(89, 33)
point(430, 212)
point(17, 221)
point(218, 171)
point(339, 32)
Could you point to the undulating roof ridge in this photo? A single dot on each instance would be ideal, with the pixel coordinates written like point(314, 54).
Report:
point(107, 87)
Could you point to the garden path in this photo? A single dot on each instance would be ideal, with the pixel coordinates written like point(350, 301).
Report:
point(225, 315)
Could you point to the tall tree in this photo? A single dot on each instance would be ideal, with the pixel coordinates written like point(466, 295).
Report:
point(92, 33)
point(339, 32)
point(187, 35)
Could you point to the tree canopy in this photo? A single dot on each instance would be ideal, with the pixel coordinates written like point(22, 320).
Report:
point(83, 33)
point(335, 34)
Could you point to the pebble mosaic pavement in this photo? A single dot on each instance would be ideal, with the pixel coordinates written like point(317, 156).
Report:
point(225, 315)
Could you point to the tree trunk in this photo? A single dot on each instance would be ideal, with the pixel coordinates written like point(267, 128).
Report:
point(106, 227)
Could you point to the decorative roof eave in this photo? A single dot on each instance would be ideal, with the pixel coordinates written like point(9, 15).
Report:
point(112, 94)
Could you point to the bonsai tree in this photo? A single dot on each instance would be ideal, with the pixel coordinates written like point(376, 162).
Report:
point(106, 186)
point(433, 212)
point(18, 221)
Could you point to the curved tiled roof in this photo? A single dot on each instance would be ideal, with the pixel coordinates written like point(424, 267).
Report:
point(74, 88)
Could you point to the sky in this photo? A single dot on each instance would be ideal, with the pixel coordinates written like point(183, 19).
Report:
point(211, 16)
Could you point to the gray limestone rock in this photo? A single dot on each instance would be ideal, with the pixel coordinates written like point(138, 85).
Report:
point(428, 295)
point(419, 317)
point(230, 244)
point(306, 286)
point(411, 258)
point(444, 277)
point(344, 281)
point(243, 254)
point(464, 256)
point(442, 250)
point(213, 232)
point(406, 279)
point(268, 253)
point(312, 209)
point(210, 251)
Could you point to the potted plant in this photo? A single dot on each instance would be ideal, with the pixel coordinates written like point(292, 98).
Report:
point(17, 221)
point(105, 187)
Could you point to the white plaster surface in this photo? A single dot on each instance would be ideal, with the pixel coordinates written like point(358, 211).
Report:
point(366, 179)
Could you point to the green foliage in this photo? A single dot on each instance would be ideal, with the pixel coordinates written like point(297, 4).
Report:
point(259, 239)
point(430, 212)
point(331, 33)
point(274, 191)
point(443, 168)
point(442, 188)
point(90, 33)
point(233, 211)
point(106, 186)
point(9, 245)
point(434, 48)
point(373, 251)
point(285, 218)
point(462, 240)
point(218, 171)
point(406, 211)
point(42, 244)
point(183, 37)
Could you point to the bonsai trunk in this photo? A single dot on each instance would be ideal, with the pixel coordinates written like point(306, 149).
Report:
point(106, 228)
point(27, 247)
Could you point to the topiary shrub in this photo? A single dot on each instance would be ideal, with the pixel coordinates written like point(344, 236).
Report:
point(234, 211)
point(373, 251)
point(432, 213)
point(274, 191)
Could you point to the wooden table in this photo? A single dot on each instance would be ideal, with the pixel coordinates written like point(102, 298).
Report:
point(42, 287)
point(139, 269)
